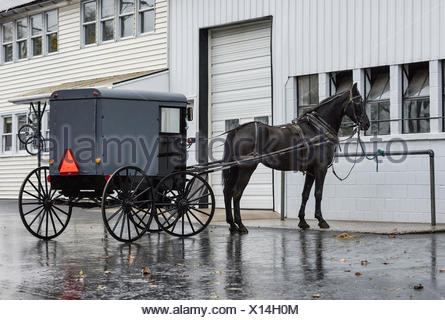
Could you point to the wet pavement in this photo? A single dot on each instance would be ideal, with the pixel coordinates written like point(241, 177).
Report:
point(86, 263)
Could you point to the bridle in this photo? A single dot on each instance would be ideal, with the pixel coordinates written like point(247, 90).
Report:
point(352, 101)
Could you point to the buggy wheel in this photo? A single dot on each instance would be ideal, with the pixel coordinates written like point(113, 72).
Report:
point(127, 203)
point(184, 204)
point(34, 144)
point(44, 213)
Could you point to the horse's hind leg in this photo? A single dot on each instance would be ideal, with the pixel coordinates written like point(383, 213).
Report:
point(308, 182)
point(243, 179)
point(229, 181)
point(319, 182)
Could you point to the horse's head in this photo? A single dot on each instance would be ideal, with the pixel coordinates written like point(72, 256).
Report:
point(355, 108)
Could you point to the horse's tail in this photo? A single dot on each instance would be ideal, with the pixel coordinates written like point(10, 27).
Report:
point(229, 175)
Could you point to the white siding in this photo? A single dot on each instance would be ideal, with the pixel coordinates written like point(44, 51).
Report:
point(72, 63)
point(319, 36)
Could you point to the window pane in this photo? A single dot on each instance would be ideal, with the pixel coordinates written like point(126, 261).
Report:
point(231, 124)
point(170, 120)
point(7, 125)
point(145, 4)
point(126, 26)
point(264, 119)
point(7, 32)
point(346, 127)
point(107, 8)
point(51, 21)
point(89, 11)
point(343, 81)
point(21, 121)
point(418, 85)
point(384, 126)
point(52, 42)
point(314, 89)
point(36, 25)
point(413, 112)
point(126, 6)
point(36, 46)
point(7, 143)
point(22, 29)
point(380, 87)
point(303, 91)
point(7, 49)
point(90, 33)
point(22, 49)
point(147, 21)
point(108, 30)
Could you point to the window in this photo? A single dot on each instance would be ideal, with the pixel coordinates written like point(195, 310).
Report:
point(231, 124)
point(146, 16)
point(170, 120)
point(22, 36)
point(36, 24)
point(107, 20)
point(52, 29)
point(377, 93)
point(7, 134)
point(340, 82)
point(264, 119)
point(307, 92)
point(22, 119)
point(89, 22)
point(8, 37)
point(126, 18)
point(416, 100)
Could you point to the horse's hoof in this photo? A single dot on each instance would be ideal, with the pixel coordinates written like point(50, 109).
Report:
point(234, 229)
point(243, 230)
point(303, 225)
point(323, 225)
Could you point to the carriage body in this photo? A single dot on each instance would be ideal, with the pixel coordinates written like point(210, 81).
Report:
point(106, 129)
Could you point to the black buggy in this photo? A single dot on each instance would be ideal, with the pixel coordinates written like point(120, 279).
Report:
point(124, 151)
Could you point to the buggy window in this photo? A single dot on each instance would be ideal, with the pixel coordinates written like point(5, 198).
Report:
point(170, 120)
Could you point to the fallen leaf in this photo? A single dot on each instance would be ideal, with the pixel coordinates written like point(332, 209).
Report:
point(186, 275)
point(146, 270)
point(345, 235)
point(364, 262)
point(151, 281)
point(357, 241)
point(107, 271)
point(343, 260)
point(130, 259)
point(418, 286)
point(302, 255)
point(385, 263)
point(442, 270)
point(358, 274)
point(100, 287)
point(81, 272)
point(219, 272)
point(179, 265)
point(316, 295)
point(392, 235)
point(347, 270)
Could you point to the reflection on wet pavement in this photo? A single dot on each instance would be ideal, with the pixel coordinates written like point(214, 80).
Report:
point(86, 263)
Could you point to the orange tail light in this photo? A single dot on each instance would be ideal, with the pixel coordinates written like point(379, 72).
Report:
point(68, 166)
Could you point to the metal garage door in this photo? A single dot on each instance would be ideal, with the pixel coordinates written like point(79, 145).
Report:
point(241, 91)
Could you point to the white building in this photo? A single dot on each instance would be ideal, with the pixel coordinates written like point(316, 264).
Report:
point(266, 59)
point(245, 60)
point(49, 45)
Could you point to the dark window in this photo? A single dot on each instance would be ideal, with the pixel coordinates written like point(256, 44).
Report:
point(36, 34)
point(89, 22)
point(52, 28)
point(146, 16)
point(107, 19)
point(416, 98)
point(22, 36)
point(307, 92)
point(340, 82)
point(377, 93)
point(8, 37)
point(231, 124)
point(126, 18)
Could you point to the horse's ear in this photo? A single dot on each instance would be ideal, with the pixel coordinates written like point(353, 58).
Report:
point(354, 90)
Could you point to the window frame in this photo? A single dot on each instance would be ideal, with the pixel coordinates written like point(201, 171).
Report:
point(310, 105)
point(84, 24)
point(3, 61)
point(139, 20)
point(32, 37)
point(49, 33)
point(406, 78)
point(333, 85)
point(379, 102)
point(20, 40)
point(101, 20)
point(2, 126)
point(123, 15)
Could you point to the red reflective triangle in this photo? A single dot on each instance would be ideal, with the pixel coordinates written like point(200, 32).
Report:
point(68, 165)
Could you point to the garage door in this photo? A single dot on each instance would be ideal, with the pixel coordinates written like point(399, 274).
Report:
point(240, 92)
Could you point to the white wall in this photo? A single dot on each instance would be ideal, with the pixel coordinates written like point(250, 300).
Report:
point(320, 36)
point(72, 63)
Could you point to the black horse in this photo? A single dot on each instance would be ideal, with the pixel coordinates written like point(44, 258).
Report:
point(307, 145)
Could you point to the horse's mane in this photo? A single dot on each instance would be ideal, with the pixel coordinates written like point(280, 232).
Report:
point(324, 102)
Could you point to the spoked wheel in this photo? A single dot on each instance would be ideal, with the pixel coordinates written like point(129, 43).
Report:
point(25, 132)
point(44, 212)
point(127, 203)
point(34, 144)
point(184, 204)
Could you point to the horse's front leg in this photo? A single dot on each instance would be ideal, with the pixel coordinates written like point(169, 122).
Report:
point(320, 175)
point(308, 182)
